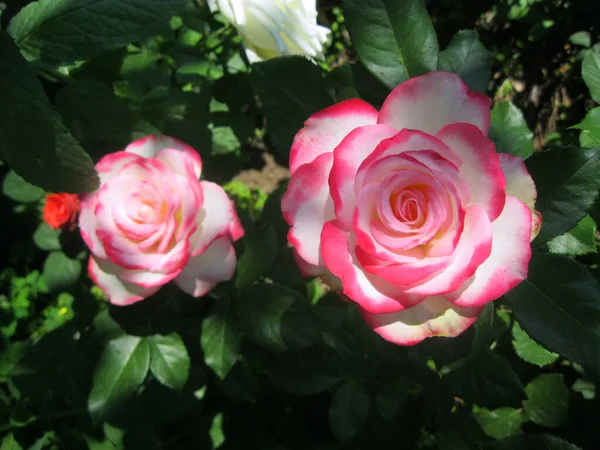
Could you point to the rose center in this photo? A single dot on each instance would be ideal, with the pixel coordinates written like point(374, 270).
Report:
point(145, 212)
point(408, 209)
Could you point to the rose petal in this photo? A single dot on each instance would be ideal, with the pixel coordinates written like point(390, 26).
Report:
point(203, 272)
point(481, 166)
point(433, 317)
point(151, 145)
point(408, 274)
point(216, 218)
point(307, 205)
point(305, 268)
point(348, 156)
point(147, 279)
point(128, 255)
point(236, 230)
point(508, 262)
point(409, 143)
point(110, 165)
point(88, 226)
point(119, 292)
point(375, 208)
point(472, 249)
point(324, 130)
point(372, 234)
point(180, 162)
point(432, 101)
point(369, 291)
point(132, 254)
point(519, 183)
point(536, 224)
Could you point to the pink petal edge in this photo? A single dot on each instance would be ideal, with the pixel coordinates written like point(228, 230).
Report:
point(433, 317)
point(307, 205)
point(432, 101)
point(106, 276)
point(150, 145)
point(203, 272)
point(324, 130)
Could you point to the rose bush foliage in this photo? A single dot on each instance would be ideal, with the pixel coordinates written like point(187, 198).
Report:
point(405, 210)
point(152, 221)
point(409, 211)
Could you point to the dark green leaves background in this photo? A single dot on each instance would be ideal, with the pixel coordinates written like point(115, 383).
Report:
point(272, 360)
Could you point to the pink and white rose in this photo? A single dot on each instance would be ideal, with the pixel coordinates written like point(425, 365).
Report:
point(409, 210)
point(152, 221)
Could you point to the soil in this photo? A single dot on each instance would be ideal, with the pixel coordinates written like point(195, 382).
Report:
point(266, 177)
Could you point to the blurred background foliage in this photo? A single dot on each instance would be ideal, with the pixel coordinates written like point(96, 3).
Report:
point(271, 360)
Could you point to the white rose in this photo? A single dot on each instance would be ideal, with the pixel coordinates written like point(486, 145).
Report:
point(272, 28)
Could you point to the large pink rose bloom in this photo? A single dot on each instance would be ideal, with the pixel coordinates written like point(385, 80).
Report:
point(409, 211)
point(152, 221)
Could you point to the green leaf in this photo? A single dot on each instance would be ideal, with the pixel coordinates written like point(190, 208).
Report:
point(272, 215)
point(260, 250)
point(33, 139)
point(113, 439)
point(355, 80)
point(577, 241)
point(467, 57)
point(306, 372)
point(64, 31)
point(60, 271)
point(585, 387)
point(395, 40)
point(509, 130)
point(488, 328)
point(99, 119)
point(224, 141)
point(586, 141)
point(10, 357)
point(581, 38)
point(389, 400)
point(10, 443)
point(590, 128)
point(529, 350)
point(56, 364)
point(348, 410)
point(169, 360)
point(277, 317)
point(230, 132)
point(217, 436)
point(120, 371)
point(221, 339)
point(500, 423)
point(547, 400)
point(45, 442)
point(559, 306)
point(19, 190)
point(459, 431)
point(535, 441)
point(487, 380)
point(46, 237)
point(567, 182)
point(590, 71)
point(241, 384)
point(291, 89)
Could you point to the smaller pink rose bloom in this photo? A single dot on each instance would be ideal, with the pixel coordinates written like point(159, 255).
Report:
point(152, 221)
point(409, 211)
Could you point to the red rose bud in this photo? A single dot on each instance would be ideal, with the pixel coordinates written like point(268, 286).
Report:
point(60, 211)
